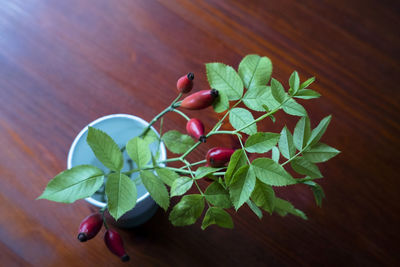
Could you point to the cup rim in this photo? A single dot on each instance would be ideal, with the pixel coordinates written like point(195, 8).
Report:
point(163, 151)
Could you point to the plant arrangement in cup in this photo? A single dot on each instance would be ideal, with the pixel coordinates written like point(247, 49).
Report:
point(235, 179)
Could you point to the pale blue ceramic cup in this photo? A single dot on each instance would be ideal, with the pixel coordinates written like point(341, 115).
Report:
point(121, 127)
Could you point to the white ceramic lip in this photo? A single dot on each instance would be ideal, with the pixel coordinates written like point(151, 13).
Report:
point(163, 151)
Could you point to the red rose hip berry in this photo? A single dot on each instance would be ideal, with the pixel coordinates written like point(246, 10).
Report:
point(199, 100)
point(114, 243)
point(185, 83)
point(195, 128)
point(219, 156)
point(90, 227)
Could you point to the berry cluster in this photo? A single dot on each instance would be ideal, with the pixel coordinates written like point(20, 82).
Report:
point(91, 226)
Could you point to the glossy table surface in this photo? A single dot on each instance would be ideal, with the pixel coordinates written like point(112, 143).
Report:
point(65, 63)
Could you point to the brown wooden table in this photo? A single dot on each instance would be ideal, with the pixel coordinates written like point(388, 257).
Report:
point(65, 63)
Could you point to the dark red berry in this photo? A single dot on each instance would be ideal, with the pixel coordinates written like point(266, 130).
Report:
point(195, 128)
point(199, 100)
point(219, 156)
point(90, 226)
point(185, 83)
point(114, 243)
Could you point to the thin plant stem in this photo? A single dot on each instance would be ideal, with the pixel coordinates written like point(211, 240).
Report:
point(244, 150)
point(162, 113)
point(181, 113)
point(102, 211)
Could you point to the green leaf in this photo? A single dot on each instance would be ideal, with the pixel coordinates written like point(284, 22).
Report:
point(270, 172)
point(224, 78)
point(275, 154)
point(218, 196)
point(177, 142)
point(240, 117)
point(294, 81)
point(320, 153)
point(105, 149)
point(317, 133)
point(283, 207)
point(156, 188)
point(70, 185)
point(238, 159)
point(167, 176)
point(307, 94)
point(291, 107)
point(242, 186)
point(269, 102)
point(307, 83)
point(139, 151)
point(264, 196)
point(187, 211)
point(217, 216)
point(261, 142)
point(286, 145)
point(254, 208)
point(181, 185)
point(317, 191)
point(302, 133)
point(303, 166)
point(255, 70)
point(150, 137)
point(259, 96)
point(121, 194)
point(278, 92)
point(221, 103)
point(205, 171)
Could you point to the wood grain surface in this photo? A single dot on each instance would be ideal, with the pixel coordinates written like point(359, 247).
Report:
point(65, 63)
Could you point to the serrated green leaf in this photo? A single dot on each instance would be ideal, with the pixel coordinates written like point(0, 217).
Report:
point(221, 103)
point(294, 82)
point(264, 196)
point(242, 186)
point(283, 207)
point(278, 92)
point(187, 211)
point(286, 145)
point(270, 172)
point(291, 107)
point(275, 154)
point(205, 171)
point(218, 196)
point(303, 166)
point(224, 78)
point(70, 185)
point(318, 131)
point(238, 159)
point(240, 117)
point(257, 97)
point(318, 192)
point(255, 70)
point(254, 208)
point(181, 185)
point(307, 83)
point(139, 151)
point(167, 176)
point(177, 142)
point(261, 142)
point(121, 194)
point(302, 133)
point(218, 216)
point(156, 188)
point(320, 153)
point(105, 149)
point(307, 94)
